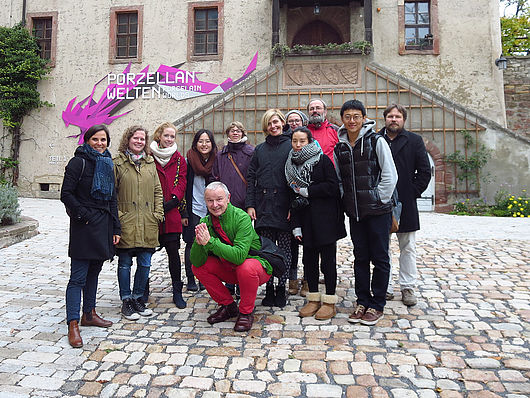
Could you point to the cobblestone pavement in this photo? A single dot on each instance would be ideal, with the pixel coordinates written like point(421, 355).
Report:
point(467, 337)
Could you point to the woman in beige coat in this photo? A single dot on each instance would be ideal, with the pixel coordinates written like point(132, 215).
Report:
point(140, 209)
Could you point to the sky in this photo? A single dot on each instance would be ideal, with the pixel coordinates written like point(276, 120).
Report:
point(509, 11)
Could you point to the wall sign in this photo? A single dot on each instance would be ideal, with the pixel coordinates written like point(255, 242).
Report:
point(123, 88)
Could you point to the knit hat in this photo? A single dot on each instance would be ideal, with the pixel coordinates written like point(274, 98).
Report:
point(302, 115)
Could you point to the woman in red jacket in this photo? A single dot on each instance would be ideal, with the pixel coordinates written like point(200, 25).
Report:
point(171, 168)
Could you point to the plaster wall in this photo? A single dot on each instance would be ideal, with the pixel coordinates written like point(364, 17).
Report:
point(509, 165)
point(465, 70)
point(83, 59)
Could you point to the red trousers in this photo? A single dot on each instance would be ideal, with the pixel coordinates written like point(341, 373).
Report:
point(248, 275)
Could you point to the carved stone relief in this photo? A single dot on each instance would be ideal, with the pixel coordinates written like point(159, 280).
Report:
point(321, 74)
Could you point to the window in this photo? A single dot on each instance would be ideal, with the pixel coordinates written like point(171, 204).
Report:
point(126, 34)
point(418, 27)
point(42, 30)
point(205, 31)
point(44, 27)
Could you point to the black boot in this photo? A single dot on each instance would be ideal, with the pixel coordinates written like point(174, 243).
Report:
point(268, 301)
point(177, 295)
point(145, 297)
point(280, 299)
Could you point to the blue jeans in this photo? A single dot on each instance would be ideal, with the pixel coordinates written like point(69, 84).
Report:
point(83, 277)
point(370, 238)
point(143, 263)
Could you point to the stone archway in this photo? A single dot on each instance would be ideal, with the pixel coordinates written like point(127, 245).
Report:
point(443, 177)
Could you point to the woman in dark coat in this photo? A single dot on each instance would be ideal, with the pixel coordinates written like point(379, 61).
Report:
point(89, 196)
point(317, 219)
point(200, 159)
point(171, 168)
point(267, 199)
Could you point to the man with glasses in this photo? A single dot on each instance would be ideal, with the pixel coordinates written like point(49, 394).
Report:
point(322, 130)
point(368, 177)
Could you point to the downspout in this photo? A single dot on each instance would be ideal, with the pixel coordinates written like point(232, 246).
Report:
point(275, 22)
point(23, 12)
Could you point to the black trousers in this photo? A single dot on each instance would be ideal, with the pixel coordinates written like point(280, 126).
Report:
point(328, 265)
point(370, 238)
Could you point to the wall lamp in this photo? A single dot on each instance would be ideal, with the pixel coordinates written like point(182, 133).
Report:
point(501, 62)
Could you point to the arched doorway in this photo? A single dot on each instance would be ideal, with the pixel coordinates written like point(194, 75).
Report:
point(317, 33)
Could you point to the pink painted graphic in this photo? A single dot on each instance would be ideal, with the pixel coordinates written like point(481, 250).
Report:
point(171, 81)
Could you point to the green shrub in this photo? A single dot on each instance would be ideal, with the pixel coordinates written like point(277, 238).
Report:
point(9, 209)
point(506, 205)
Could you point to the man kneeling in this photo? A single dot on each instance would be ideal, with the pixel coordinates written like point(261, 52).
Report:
point(220, 254)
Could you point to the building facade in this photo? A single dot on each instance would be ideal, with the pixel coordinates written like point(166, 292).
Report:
point(436, 58)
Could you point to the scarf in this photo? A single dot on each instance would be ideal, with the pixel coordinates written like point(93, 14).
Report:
point(162, 155)
point(216, 225)
point(135, 158)
point(198, 164)
point(299, 165)
point(103, 180)
point(242, 139)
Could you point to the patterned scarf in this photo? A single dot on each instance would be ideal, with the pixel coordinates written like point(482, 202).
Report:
point(103, 181)
point(299, 165)
point(135, 158)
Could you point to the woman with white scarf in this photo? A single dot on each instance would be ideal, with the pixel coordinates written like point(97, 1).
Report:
point(171, 168)
point(316, 218)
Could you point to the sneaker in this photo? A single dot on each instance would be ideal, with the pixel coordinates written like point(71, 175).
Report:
point(371, 317)
point(128, 311)
point(389, 296)
point(408, 297)
point(358, 313)
point(140, 307)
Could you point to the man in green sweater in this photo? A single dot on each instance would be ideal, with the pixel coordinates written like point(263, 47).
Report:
point(220, 254)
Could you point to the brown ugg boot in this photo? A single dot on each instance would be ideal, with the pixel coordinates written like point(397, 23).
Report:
point(293, 287)
point(327, 311)
point(312, 305)
point(304, 289)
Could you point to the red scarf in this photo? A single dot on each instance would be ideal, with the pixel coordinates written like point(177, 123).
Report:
point(200, 166)
point(216, 224)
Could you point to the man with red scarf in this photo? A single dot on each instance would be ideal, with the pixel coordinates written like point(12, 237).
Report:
point(220, 254)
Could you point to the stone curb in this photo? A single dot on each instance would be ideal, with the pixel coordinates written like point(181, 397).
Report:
point(25, 229)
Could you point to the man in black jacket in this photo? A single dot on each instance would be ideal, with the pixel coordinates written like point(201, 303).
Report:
point(414, 174)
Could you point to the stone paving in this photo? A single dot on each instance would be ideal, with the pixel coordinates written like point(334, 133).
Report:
point(468, 336)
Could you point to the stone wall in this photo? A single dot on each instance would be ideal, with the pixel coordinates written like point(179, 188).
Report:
point(517, 94)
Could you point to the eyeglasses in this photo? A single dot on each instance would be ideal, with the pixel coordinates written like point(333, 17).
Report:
point(355, 118)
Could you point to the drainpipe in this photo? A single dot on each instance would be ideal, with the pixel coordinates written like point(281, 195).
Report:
point(23, 12)
point(368, 21)
point(275, 22)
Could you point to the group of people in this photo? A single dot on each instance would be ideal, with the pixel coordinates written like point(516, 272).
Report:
point(293, 189)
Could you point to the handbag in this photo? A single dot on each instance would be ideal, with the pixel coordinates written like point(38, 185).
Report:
point(396, 212)
point(269, 251)
point(273, 254)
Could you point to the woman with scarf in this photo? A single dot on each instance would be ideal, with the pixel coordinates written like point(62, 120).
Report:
point(317, 219)
point(89, 196)
point(267, 199)
point(231, 163)
point(200, 159)
point(171, 168)
point(140, 207)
